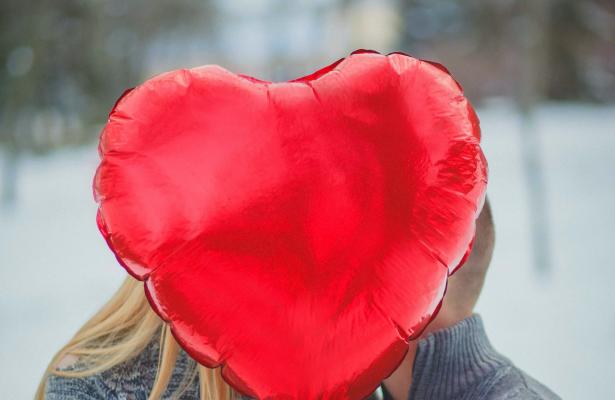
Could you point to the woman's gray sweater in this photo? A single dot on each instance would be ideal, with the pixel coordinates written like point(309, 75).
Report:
point(454, 363)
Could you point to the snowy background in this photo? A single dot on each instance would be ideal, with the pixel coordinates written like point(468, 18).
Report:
point(559, 325)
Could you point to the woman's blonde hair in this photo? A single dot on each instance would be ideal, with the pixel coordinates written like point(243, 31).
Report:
point(120, 331)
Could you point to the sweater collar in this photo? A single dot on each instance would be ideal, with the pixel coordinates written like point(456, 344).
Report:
point(448, 361)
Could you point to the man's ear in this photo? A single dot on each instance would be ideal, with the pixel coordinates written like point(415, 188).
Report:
point(484, 239)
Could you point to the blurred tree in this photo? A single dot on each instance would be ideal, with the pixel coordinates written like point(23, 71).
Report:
point(567, 33)
point(482, 43)
point(578, 30)
point(532, 42)
point(64, 62)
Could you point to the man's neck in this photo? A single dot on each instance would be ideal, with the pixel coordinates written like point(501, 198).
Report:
point(398, 383)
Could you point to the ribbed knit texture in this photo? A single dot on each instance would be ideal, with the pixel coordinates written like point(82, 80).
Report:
point(457, 363)
point(460, 363)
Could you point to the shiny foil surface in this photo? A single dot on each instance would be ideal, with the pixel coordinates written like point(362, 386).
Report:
point(296, 233)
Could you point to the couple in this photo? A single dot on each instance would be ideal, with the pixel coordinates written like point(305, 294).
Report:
point(136, 357)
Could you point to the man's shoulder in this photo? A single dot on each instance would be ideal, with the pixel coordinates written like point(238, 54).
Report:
point(459, 362)
point(511, 383)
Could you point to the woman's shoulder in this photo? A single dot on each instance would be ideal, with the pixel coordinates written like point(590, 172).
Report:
point(131, 379)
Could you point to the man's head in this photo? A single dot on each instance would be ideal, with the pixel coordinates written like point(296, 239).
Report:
point(462, 293)
point(465, 285)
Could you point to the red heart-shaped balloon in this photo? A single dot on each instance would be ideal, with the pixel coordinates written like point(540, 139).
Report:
point(297, 233)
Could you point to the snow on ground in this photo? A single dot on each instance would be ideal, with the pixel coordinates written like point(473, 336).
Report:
point(55, 269)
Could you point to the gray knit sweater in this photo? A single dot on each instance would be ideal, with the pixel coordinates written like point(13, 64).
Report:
point(454, 363)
